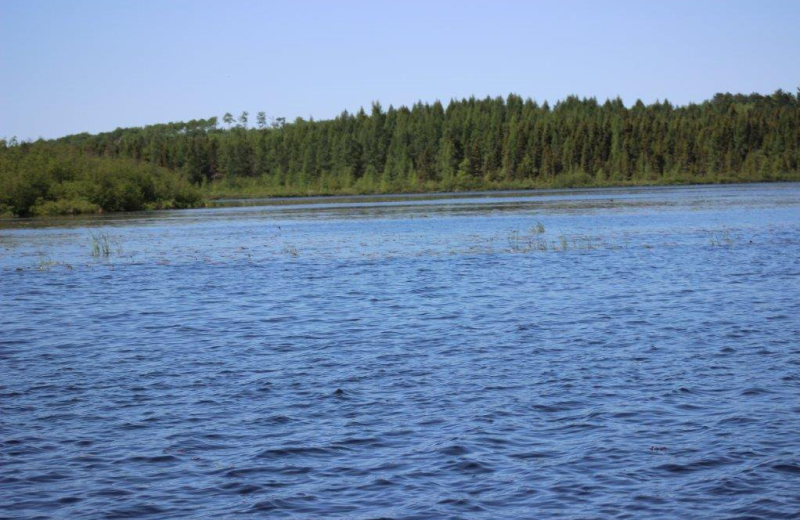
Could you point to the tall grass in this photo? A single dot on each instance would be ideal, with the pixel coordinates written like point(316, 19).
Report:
point(102, 245)
point(721, 239)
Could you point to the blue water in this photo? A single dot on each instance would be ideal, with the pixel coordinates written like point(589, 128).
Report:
point(635, 356)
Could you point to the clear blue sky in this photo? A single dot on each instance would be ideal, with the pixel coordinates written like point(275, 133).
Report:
point(73, 66)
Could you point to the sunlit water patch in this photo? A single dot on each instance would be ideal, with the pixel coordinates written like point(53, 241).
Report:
point(572, 354)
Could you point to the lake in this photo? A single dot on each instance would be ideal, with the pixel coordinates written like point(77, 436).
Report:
point(616, 353)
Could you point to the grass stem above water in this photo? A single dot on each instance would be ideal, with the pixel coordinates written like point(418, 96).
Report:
point(102, 245)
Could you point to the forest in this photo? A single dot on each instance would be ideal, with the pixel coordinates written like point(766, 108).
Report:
point(468, 144)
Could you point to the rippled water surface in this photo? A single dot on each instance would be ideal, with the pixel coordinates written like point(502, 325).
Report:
point(575, 354)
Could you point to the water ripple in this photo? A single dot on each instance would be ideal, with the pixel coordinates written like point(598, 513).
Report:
point(410, 368)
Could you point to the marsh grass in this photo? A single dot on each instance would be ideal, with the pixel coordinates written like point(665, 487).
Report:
point(722, 238)
point(535, 240)
point(103, 245)
point(45, 263)
point(291, 251)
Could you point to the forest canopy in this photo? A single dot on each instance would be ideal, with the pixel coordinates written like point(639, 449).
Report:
point(489, 143)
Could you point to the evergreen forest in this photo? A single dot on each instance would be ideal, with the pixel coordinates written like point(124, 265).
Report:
point(467, 144)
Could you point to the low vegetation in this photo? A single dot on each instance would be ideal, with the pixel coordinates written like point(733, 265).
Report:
point(103, 245)
point(45, 179)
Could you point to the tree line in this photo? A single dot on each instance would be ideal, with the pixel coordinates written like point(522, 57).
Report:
point(472, 144)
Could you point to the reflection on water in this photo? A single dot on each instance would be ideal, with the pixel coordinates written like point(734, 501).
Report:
point(588, 353)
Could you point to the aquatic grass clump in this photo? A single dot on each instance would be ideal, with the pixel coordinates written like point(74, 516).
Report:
point(720, 239)
point(520, 242)
point(291, 251)
point(534, 241)
point(45, 263)
point(102, 245)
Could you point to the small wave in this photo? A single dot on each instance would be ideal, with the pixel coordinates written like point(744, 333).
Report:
point(793, 469)
point(298, 451)
point(157, 459)
point(454, 450)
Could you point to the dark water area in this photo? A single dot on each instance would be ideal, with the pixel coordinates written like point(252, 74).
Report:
point(577, 354)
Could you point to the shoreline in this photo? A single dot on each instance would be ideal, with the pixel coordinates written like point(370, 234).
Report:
point(12, 222)
point(456, 193)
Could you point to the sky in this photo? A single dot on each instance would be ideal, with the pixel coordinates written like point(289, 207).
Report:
point(92, 66)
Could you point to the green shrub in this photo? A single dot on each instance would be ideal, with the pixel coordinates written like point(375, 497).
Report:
point(64, 207)
point(47, 179)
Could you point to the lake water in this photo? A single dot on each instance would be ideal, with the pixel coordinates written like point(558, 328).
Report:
point(625, 353)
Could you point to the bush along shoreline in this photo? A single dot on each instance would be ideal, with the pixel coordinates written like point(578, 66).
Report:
point(48, 180)
point(470, 144)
